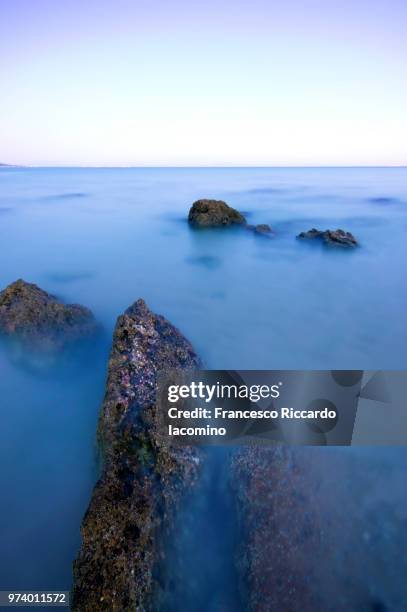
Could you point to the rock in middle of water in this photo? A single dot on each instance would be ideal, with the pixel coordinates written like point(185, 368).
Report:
point(40, 321)
point(143, 478)
point(263, 229)
point(214, 213)
point(338, 238)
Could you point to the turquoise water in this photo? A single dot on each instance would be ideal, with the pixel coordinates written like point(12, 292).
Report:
point(105, 237)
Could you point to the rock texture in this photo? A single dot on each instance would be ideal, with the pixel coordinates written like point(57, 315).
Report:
point(338, 238)
point(312, 527)
point(214, 213)
point(133, 504)
point(40, 321)
point(280, 536)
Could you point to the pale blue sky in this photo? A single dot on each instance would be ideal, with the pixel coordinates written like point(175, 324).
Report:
point(294, 82)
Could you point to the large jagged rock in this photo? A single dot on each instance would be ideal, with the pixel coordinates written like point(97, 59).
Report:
point(143, 479)
point(338, 238)
point(40, 321)
point(214, 213)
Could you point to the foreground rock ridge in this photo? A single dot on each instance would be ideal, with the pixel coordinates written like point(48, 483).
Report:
point(143, 479)
point(40, 320)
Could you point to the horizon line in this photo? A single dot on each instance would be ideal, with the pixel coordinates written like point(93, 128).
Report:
point(186, 166)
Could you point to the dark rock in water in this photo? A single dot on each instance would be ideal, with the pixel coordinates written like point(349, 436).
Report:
point(338, 237)
point(263, 229)
point(312, 233)
point(40, 321)
point(214, 213)
point(143, 479)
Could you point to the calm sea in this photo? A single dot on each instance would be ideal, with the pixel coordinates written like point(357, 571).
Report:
point(105, 237)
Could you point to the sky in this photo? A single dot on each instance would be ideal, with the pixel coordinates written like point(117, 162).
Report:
point(190, 83)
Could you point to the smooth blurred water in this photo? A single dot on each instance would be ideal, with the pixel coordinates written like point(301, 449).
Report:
point(105, 237)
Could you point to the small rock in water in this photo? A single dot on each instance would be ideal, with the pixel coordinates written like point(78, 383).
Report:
point(214, 213)
point(338, 237)
point(40, 321)
point(263, 229)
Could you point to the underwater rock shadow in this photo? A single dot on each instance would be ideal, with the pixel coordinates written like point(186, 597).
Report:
point(69, 277)
point(210, 262)
point(384, 200)
point(65, 196)
point(265, 190)
point(365, 221)
point(268, 190)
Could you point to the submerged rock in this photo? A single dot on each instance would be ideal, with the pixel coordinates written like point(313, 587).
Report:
point(384, 200)
point(338, 237)
point(308, 541)
point(280, 534)
point(263, 229)
point(143, 478)
point(214, 213)
point(40, 321)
